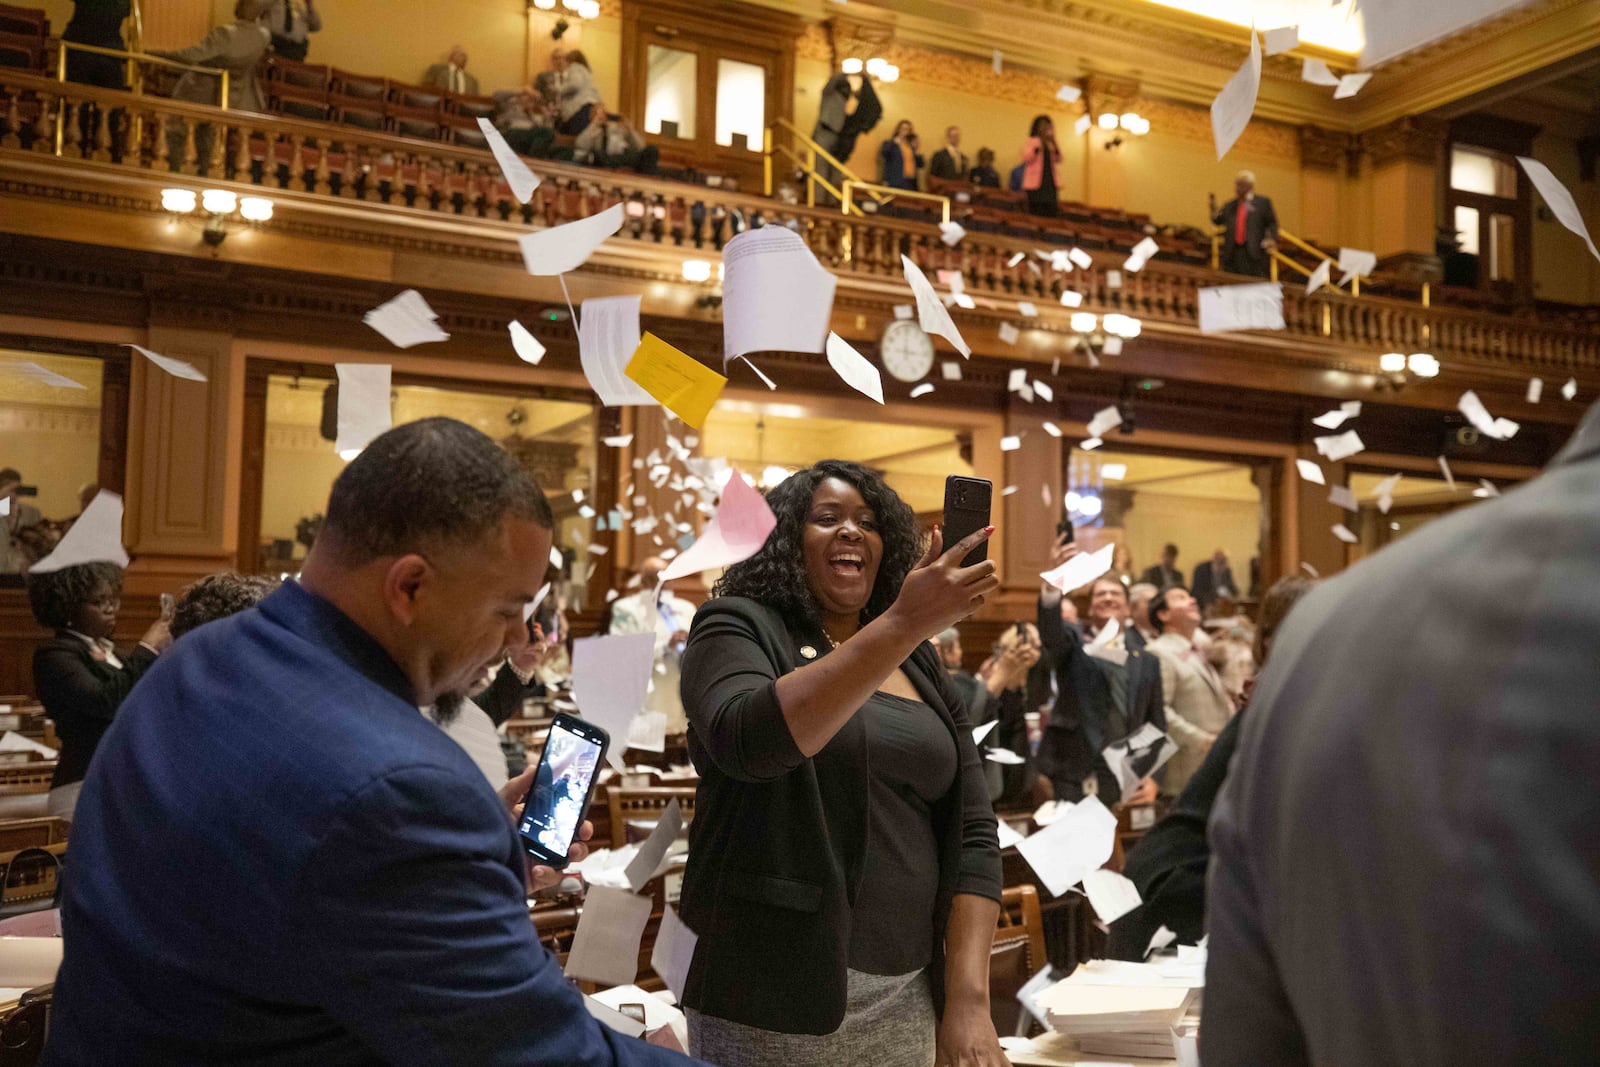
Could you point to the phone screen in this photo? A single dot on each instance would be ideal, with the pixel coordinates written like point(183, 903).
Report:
point(560, 793)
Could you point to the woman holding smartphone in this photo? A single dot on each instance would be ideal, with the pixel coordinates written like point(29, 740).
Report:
point(844, 875)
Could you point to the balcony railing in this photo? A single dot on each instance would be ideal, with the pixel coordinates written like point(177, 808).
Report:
point(108, 132)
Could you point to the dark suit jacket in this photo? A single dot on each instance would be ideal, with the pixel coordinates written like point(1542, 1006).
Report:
point(1155, 576)
point(438, 77)
point(1075, 737)
point(1206, 582)
point(1407, 850)
point(894, 166)
point(81, 695)
point(1261, 223)
point(278, 859)
point(948, 164)
point(778, 842)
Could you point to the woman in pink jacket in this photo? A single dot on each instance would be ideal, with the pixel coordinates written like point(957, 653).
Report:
point(1039, 158)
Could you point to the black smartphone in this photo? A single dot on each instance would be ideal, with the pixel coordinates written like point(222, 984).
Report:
point(1064, 532)
point(966, 511)
point(562, 785)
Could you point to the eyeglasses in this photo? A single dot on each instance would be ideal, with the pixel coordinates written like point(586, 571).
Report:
point(106, 603)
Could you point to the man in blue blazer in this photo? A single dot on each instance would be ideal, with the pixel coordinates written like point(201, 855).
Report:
point(277, 858)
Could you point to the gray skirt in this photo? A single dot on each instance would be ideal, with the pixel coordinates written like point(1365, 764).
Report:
point(888, 1022)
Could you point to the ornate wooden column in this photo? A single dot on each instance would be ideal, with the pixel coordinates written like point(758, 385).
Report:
point(1325, 187)
point(1027, 526)
point(1406, 158)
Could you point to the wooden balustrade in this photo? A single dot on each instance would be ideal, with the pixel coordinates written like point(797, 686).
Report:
point(160, 136)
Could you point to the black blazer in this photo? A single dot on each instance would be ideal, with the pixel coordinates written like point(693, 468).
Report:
point(778, 842)
point(81, 695)
point(1074, 738)
point(1207, 580)
point(1260, 223)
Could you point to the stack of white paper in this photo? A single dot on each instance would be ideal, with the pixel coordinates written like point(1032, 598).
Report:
point(1131, 1000)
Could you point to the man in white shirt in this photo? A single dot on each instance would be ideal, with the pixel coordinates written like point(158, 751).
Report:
point(669, 620)
point(452, 75)
point(1198, 705)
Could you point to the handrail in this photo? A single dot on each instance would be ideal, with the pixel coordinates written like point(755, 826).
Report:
point(1278, 257)
point(135, 73)
point(889, 192)
point(808, 166)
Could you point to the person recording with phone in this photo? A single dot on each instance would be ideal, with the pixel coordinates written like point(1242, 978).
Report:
point(844, 871)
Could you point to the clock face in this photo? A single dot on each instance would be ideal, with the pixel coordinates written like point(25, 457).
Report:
point(906, 351)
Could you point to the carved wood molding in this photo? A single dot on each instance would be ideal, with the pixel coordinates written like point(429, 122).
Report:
point(1416, 138)
point(1325, 149)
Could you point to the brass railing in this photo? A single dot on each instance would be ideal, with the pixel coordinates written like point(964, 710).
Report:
point(884, 192)
point(805, 161)
point(402, 182)
point(1277, 258)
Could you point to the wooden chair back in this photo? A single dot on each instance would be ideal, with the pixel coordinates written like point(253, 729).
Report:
point(1017, 955)
point(643, 807)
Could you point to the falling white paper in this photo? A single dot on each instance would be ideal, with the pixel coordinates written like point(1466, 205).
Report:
point(652, 853)
point(42, 375)
point(1232, 108)
point(1008, 333)
point(522, 180)
point(854, 368)
point(1110, 894)
point(980, 732)
point(177, 367)
point(1485, 489)
point(951, 371)
point(1069, 94)
point(1351, 84)
point(1339, 446)
point(1043, 391)
point(605, 947)
point(648, 731)
point(1071, 298)
point(608, 336)
point(951, 233)
point(922, 390)
point(1016, 257)
point(621, 440)
point(1010, 444)
point(363, 404)
point(906, 311)
point(1004, 756)
point(768, 382)
point(1113, 279)
point(559, 249)
point(528, 348)
point(1160, 940)
point(1252, 306)
point(1081, 569)
point(1052, 429)
point(1310, 471)
point(1319, 277)
point(931, 312)
point(1113, 472)
point(1342, 532)
point(1535, 390)
point(1281, 40)
point(1384, 491)
point(1354, 262)
point(674, 951)
point(1083, 259)
point(1076, 842)
point(737, 532)
point(406, 320)
point(1500, 429)
point(1570, 390)
point(776, 297)
point(1560, 200)
point(1105, 420)
point(1344, 497)
point(1449, 478)
point(1027, 310)
point(1332, 420)
point(1112, 346)
point(610, 678)
point(96, 537)
point(1316, 72)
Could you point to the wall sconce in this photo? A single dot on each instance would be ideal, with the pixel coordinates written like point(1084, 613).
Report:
point(1398, 368)
point(698, 272)
point(584, 9)
point(876, 67)
point(216, 210)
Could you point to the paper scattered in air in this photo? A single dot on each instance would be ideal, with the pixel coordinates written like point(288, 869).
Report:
point(559, 249)
point(1142, 753)
point(1332, 420)
point(610, 678)
point(931, 312)
point(776, 297)
point(1113, 279)
point(1027, 310)
point(1316, 72)
point(96, 537)
point(1078, 841)
point(1344, 497)
point(1351, 84)
point(1319, 277)
point(646, 862)
point(768, 382)
point(43, 375)
point(1105, 420)
point(179, 369)
point(1449, 477)
point(922, 390)
point(1342, 532)
point(1113, 472)
point(1043, 391)
point(527, 346)
point(1570, 390)
point(1009, 333)
point(1110, 894)
point(1310, 471)
point(1052, 429)
point(683, 385)
point(608, 336)
point(1485, 489)
point(1004, 756)
point(1384, 492)
point(522, 180)
point(1281, 40)
point(1232, 108)
point(673, 952)
point(1069, 94)
point(1016, 257)
point(1501, 429)
point(605, 947)
point(1560, 200)
point(1090, 444)
point(737, 532)
point(980, 732)
point(1339, 446)
point(1535, 389)
point(1010, 444)
point(363, 404)
point(1159, 940)
point(1252, 306)
point(1071, 298)
point(1354, 262)
point(1081, 569)
point(951, 233)
point(1112, 346)
point(906, 311)
point(856, 370)
point(951, 370)
point(621, 440)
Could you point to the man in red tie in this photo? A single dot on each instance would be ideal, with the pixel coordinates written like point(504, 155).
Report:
point(1250, 228)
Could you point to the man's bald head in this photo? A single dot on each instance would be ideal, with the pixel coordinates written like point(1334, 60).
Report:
point(650, 569)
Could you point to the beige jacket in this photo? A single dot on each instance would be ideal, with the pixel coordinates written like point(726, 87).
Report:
point(1198, 706)
point(236, 48)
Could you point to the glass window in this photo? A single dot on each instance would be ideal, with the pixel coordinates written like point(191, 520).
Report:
point(670, 92)
point(1417, 500)
point(554, 439)
point(1502, 246)
point(50, 435)
point(741, 102)
point(1473, 170)
point(1467, 227)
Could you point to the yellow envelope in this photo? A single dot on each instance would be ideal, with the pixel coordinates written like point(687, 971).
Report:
point(683, 384)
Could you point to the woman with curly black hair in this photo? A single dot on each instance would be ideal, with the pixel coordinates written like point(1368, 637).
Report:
point(77, 674)
point(844, 874)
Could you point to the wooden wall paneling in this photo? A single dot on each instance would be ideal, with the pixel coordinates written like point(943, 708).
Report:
point(1026, 523)
point(112, 473)
point(252, 465)
point(172, 23)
